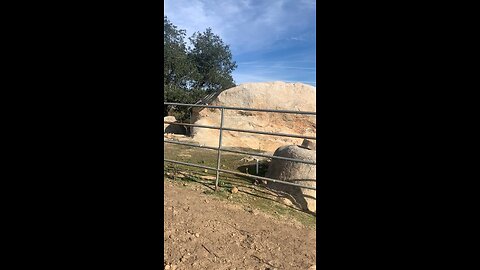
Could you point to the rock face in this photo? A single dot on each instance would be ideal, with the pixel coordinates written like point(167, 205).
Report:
point(309, 144)
point(273, 95)
point(175, 129)
point(295, 172)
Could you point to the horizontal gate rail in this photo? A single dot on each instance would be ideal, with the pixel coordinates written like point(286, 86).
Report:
point(189, 164)
point(220, 149)
point(244, 130)
point(240, 109)
point(240, 174)
point(243, 152)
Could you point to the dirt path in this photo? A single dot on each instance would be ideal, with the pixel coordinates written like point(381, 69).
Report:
point(206, 232)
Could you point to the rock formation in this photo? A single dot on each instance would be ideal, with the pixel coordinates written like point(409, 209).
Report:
point(175, 129)
point(273, 95)
point(295, 172)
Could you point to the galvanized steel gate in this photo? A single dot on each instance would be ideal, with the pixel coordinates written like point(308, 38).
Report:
point(220, 149)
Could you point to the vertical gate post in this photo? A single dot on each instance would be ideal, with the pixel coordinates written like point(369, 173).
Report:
point(219, 154)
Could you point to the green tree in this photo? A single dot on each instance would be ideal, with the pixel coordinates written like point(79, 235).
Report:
point(213, 60)
point(178, 68)
point(190, 73)
point(179, 73)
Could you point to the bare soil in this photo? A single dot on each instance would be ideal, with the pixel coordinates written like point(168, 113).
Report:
point(203, 230)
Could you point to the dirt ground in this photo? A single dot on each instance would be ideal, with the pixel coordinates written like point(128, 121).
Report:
point(205, 231)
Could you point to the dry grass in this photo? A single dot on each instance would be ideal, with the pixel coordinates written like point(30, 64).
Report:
point(250, 195)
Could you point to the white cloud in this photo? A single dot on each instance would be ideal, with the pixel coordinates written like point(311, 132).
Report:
point(246, 25)
point(256, 30)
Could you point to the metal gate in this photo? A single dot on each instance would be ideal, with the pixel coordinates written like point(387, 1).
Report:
point(220, 148)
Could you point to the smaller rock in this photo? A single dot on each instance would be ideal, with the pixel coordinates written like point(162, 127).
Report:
point(197, 235)
point(308, 144)
point(285, 201)
point(248, 159)
point(234, 190)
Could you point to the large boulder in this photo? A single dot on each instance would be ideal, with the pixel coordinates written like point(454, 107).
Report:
point(172, 128)
point(272, 95)
point(297, 173)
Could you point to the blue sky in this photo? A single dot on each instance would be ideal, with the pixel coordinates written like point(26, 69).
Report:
point(271, 40)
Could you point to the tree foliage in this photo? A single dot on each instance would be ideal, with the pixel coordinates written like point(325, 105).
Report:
point(191, 71)
point(213, 61)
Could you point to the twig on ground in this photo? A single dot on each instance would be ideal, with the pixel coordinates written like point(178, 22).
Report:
point(263, 261)
point(240, 230)
point(213, 253)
